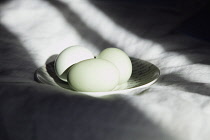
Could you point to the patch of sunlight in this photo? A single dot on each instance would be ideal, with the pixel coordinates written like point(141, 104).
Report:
point(40, 28)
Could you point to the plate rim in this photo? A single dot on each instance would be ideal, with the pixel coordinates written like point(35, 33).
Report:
point(103, 93)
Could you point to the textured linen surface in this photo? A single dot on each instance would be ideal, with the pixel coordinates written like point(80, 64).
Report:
point(33, 32)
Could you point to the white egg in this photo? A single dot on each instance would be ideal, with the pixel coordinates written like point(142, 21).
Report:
point(93, 75)
point(68, 57)
point(121, 60)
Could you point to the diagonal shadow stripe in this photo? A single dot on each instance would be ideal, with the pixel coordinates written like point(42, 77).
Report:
point(15, 61)
point(73, 19)
point(177, 81)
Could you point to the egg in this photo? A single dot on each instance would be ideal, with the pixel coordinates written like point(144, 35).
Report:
point(68, 57)
point(120, 59)
point(93, 75)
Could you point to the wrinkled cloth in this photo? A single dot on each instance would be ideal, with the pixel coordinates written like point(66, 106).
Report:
point(33, 32)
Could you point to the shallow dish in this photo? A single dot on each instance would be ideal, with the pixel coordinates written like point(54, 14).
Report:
point(144, 74)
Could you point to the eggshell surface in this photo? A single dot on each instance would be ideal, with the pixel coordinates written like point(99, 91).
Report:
point(68, 57)
point(120, 59)
point(93, 75)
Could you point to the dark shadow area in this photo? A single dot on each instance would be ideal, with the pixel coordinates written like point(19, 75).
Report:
point(197, 51)
point(49, 64)
point(50, 67)
point(84, 31)
point(15, 62)
point(177, 81)
point(49, 113)
point(4, 1)
point(148, 18)
point(198, 25)
point(52, 58)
